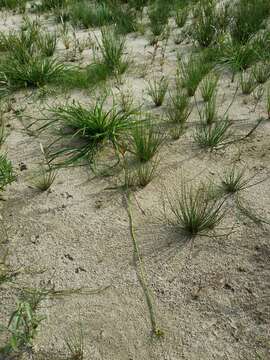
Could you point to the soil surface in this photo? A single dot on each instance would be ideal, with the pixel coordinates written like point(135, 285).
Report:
point(211, 294)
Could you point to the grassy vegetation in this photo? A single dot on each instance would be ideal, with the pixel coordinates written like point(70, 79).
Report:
point(249, 16)
point(112, 47)
point(191, 72)
point(13, 4)
point(23, 323)
point(88, 128)
point(158, 15)
point(216, 39)
point(234, 180)
point(194, 210)
point(208, 86)
point(141, 175)
point(6, 172)
point(157, 90)
point(75, 344)
point(214, 135)
point(146, 141)
point(247, 83)
point(179, 108)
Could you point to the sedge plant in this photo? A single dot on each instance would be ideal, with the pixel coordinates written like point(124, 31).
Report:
point(194, 210)
point(146, 142)
point(157, 90)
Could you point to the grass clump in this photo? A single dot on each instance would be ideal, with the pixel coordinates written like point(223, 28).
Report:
point(247, 83)
point(208, 114)
point(13, 4)
point(157, 90)
point(248, 17)
point(45, 178)
point(142, 175)
point(179, 108)
point(194, 210)
point(6, 172)
point(28, 60)
point(112, 47)
point(146, 141)
point(86, 14)
point(124, 18)
point(158, 15)
point(208, 86)
point(261, 72)
point(234, 180)
point(237, 57)
point(23, 323)
point(204, 27)
point(181, 16)
point(89, 128)
point(75, 344)
point(192, 72)
point(37, 72)
point(214, 135)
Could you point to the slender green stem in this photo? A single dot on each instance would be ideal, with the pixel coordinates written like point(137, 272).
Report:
point(141, 273)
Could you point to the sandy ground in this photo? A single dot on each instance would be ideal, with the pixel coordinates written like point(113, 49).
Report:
point(211, 295)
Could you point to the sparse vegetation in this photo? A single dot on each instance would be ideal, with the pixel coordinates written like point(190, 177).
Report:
point(248, 83)
point(6, 172)
point(112, 48)
point(234, 180)
point(194, 211)
point(146, 141)
point(214, 135)
point(79, 76)
point(268, 102)
point(75, 344)
point(208, 114)
point(261, 72)
point(191, 72)
point(94, 126)
point(208, 87)
point(157, 90)
point(179, 108)
point(181, 16)
point(23, 323)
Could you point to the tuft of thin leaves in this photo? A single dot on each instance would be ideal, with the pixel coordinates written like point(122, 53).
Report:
point(89, 127)
point(214, 135)
point(204, 28)
point(234, 180)
point(75, 344)
point(247, 82)
point(191, 72)
point(112, 47)
point(261, 72)
point(158, 15)
point(248, 17)
point(179, 107)
point(46, 177)
point(6, 172)
point(36, 72)
point(23, 323)
point(142, 175)
point(157, 90)
point(194, 210)
point(181, 16)
point(86, 15)
point(146, 141)
point(208, 86)
point(208, 114)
